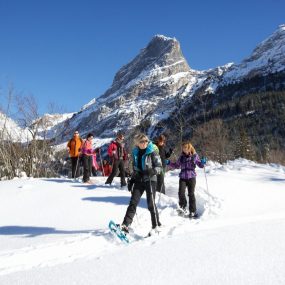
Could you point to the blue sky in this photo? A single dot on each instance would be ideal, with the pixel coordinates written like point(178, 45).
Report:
point(66, 52)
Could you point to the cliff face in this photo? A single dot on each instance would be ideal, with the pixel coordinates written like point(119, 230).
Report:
point(145, 87)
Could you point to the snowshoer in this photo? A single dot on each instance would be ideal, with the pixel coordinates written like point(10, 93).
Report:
point(118, 154)
point(160, 187)
point(146, 165)
point(106, 168)
point(187, 177)
point(73, 146)
point(87, 158)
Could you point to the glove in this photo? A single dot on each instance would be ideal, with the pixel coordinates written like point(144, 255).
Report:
point(203, 160)
point(150, 172)
point(170, 150)
point(98, 150)
point(167, 161)
point(131, 182)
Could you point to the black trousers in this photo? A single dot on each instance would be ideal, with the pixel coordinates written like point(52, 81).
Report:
point(138, 190)
point(87, 167)
point(75, 167)
point(190, 184)
point(117, 165)
point(160, 187)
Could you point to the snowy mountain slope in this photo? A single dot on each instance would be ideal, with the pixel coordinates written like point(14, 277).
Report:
point(48, 127)
point(59, 234)
point(147, 87)
point(51, 125)
point(267, 57)
point(10, 130)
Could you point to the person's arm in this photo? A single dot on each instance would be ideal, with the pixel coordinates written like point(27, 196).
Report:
point(68, 146)
point(168, 153)
point(175, 165)
point(198, 162)
point(111, 150)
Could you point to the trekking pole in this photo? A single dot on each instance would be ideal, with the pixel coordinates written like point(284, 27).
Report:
point(153, 203)
point(101, 163)
point(76, 167)
point(207, 187)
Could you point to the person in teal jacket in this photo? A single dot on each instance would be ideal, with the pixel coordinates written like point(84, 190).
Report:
point(146, 165)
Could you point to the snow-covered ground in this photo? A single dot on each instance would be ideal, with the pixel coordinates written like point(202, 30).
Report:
point(55, 231)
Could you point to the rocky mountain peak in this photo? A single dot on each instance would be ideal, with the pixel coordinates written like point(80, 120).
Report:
point(161, 46)
point(160, 58)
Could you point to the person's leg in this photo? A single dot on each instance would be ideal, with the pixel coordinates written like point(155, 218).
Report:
point(85, 168)
point(181, 194)
point(131, 210)
point(122, 172)
point(113, 173)
point(191, 193)
point(73, 166)
point(150, 197)
point(89, 167)
point(77, 167)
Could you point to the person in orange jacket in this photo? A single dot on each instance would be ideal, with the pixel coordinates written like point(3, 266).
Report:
point(74, 146)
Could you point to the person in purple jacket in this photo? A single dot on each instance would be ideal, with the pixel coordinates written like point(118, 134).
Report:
point(187, 177)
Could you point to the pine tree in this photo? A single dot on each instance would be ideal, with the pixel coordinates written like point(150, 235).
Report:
point(244, 148)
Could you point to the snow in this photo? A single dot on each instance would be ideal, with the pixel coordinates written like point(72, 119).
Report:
point(86, 106)
point(268, 57)
point(55, 231)
point(164, 38)
point(10, 130)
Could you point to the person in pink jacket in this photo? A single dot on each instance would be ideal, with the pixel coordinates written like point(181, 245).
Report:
point(87, 157)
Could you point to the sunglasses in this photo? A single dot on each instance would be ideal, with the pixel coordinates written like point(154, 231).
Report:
point(143, 141)
point(76, 133)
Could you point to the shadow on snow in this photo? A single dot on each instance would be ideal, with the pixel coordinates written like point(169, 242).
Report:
point(30, 231)
point(117, 200)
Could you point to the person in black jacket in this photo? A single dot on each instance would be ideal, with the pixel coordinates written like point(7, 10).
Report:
point(160, 187)
point(146, 166)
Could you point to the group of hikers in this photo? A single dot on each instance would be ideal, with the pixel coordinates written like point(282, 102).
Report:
point(149, 163)
point(81, 152)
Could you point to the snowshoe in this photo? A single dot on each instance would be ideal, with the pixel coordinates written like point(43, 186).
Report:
point(120, 231)
point(183, 212)
point(193, 215)
point(153, 232)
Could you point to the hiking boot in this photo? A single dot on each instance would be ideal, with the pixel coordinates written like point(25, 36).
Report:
point(154, 231)
point(182, 211)
point(124, 229)
point(193, 215)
